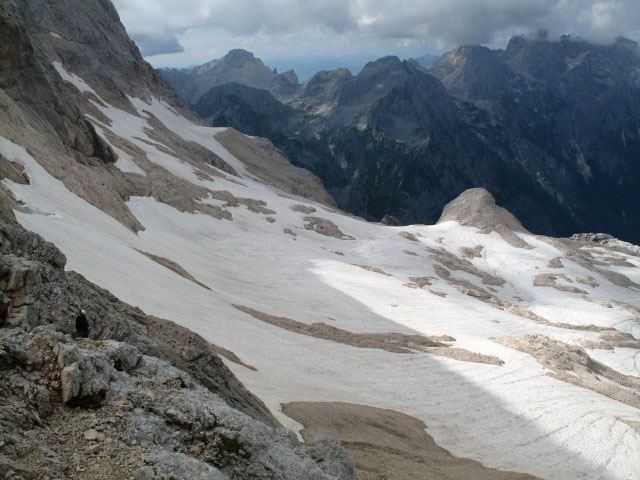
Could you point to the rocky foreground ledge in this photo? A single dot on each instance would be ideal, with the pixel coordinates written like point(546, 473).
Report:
point(141, 398)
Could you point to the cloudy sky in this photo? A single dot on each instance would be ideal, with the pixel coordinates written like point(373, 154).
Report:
point(188, 32)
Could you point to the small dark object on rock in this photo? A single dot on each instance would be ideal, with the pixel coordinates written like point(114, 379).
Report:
point(390, 220)
point(82, 324)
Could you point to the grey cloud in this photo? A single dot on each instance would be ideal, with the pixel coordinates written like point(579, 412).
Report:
point(444, 22)
point(239, 17)
point(459, 21)
point(484, 21)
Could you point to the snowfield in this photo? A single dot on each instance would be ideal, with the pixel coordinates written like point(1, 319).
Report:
point(514, 416)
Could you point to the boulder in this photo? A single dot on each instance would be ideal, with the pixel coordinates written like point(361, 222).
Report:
point(67, 354)
point(84, 382)
point(70, 382)
point(124, 356)
point(95, 370)
point(177, 465)
point(331, 457)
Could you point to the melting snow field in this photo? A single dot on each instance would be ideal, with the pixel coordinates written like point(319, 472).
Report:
point(513, 417)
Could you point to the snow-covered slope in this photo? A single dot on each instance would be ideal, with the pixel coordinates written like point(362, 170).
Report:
point(544, 372)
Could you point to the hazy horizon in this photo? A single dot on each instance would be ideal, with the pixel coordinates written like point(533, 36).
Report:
point(196, 31)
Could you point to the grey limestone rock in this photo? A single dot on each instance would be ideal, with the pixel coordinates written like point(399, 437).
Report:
point(70, 379)
point(177, 465)
point(476, 207)
point(163, 387)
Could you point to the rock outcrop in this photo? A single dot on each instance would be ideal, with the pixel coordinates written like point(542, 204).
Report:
point(141, 397)
point(476, 207)
point(569, 112)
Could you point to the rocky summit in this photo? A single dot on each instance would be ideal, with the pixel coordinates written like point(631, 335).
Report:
point(240, 324)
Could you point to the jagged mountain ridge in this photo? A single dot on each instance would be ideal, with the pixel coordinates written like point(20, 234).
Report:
point(389, 140)
point(534, 108)
point(570, 110)
point(513, 352)
point(238, 66)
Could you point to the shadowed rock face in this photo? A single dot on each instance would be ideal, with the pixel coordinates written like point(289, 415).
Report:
point(94, 44)
point(25, 78)
point(569, 111)
point(549, 128)
point(268, 163)
point(387, 141)
point(247, 109)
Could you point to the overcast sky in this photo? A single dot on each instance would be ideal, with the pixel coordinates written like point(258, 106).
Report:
point(187, 32)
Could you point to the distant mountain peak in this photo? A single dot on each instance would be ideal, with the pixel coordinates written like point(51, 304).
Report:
point(290, 77)
point(388, 61)
point(241, 56)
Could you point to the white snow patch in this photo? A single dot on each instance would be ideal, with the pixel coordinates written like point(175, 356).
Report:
point(583, 166)
point(77, 82)
point(125, 162)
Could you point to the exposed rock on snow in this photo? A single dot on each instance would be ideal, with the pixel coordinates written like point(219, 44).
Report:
point(409, 236)
point(469, 252)
point(420, 282)
point(303, 209)
point(455, 263)
point(555, 263)
point(468, 288)
point(373, 269)
point(390, 220)
point(609, 340)
point(572, 364)
point(635, 311)
point(174, 267)
point(325, 227)
point(608, 240)
point(270, 165)
point(390, 342)
point(477, 208)
point(632, 424)
point(594, 261)
point(551, 280)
